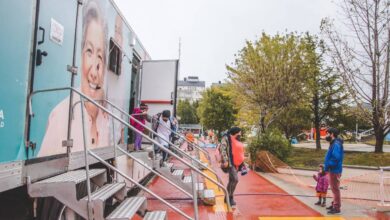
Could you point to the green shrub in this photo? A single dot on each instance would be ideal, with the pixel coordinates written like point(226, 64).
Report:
point(274, 142)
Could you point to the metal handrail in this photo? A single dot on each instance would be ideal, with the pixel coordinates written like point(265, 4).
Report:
point(87, 151)
point(88, 181)
point(139, 185)
point(158, 135)
point(170, 143)
point(155, 172)
point(219, 184)
point(141, 162)
point(197, 146)
point(135, 130)
point(188, 141)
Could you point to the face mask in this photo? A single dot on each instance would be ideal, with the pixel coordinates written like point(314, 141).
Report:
point(238, 137)
point(328, 139)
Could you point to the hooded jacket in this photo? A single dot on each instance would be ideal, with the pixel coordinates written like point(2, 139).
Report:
point(334, 157)
point(140, 118)
point(322, 182)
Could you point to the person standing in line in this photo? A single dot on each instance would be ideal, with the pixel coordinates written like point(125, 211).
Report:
point(334, 166)
point(322, 186)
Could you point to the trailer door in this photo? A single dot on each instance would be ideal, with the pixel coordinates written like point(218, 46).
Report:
point(55, 41)
point(158, 85)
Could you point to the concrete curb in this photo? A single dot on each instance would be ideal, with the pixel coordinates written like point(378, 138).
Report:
point(361, 167)
point(369, 181)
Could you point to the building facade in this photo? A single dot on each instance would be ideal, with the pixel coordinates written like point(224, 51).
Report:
point(190, 88)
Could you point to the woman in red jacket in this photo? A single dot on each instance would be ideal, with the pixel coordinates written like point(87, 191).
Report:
point(237, 158)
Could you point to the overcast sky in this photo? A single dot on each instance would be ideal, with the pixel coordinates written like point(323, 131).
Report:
point(212, 31)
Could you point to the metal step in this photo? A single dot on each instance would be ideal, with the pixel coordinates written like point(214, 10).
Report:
point(169, 165)
point(63, 188)
point(200, 186)
point(107, 191)
point(76, 176)
point(208, 197)
point(156, 215)
point(178, 173)
point(128, 208)
point(52, 186)
point(99, 197)
point(143, 156)
point(187, 179)
point(156, 162)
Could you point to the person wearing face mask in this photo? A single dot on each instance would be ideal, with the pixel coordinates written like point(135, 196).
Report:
point(334, 166)
point(235, 161)
point(164, 131)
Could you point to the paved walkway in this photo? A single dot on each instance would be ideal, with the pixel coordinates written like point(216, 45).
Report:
point(359, 190)
point(256, 198)
point(361, 147)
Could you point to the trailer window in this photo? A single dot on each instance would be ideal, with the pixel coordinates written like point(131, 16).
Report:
point(115, 58)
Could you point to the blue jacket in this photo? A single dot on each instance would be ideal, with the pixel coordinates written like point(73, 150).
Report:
point(334, 157)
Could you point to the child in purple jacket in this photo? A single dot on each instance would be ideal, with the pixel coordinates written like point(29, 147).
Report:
point(140, 115)
point(322, 186)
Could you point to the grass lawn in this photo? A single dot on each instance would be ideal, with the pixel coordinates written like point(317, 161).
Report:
point(310, 158)
point(372, 142)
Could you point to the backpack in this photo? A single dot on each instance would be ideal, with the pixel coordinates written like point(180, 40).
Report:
point(156, 121)
point(224, 151)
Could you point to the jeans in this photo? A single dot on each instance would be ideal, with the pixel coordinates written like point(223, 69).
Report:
point(165, 154)
point(233, 180)
point(334, 181)
point(137, 141)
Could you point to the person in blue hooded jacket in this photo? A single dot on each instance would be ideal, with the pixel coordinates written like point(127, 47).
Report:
point(334, 166)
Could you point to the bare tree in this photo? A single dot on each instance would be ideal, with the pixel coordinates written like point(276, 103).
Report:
point(363, 57)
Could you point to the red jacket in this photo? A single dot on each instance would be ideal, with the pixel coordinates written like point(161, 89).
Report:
point(140, 118)
point(238, 152)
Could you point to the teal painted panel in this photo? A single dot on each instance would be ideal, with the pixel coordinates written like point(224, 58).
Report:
point(15, 44)
point(58, 19)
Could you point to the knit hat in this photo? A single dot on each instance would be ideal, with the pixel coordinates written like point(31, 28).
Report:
point(234, 130)
point(333, 131)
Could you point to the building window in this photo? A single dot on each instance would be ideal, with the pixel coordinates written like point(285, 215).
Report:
point(115, 58)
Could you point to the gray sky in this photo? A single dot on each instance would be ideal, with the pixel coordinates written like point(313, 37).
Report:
point(212, 31)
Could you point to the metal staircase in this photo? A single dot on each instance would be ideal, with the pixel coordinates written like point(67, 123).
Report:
point(184, 181)
point(64, 187)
